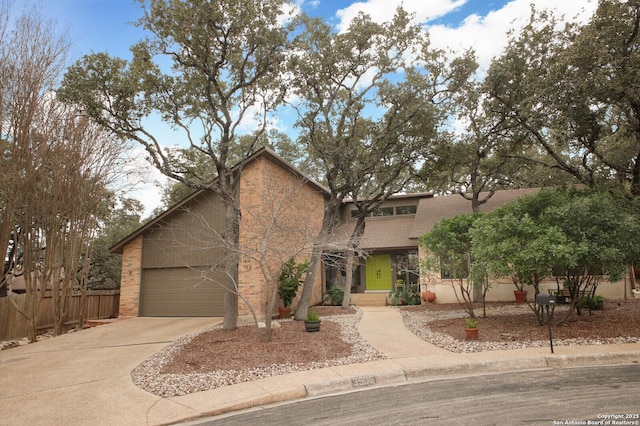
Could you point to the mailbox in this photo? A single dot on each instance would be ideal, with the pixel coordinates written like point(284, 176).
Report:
point(545, 299)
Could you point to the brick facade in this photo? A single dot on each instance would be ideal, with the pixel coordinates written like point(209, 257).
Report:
point(131, 278)
point(281, 216)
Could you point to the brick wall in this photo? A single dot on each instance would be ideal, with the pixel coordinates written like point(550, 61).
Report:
point(131, 278)
point(281, 216)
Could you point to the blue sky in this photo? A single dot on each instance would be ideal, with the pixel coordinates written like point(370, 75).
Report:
point(107, 25)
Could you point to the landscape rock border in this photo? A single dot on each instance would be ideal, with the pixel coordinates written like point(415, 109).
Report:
point(149, 376)
point(419, 325)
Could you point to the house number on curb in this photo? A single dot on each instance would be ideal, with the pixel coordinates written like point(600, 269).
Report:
point(361, 381)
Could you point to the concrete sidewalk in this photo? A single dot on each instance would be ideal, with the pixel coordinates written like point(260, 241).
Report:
point(84, 378)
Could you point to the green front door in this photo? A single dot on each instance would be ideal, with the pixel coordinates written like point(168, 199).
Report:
point(379, 272)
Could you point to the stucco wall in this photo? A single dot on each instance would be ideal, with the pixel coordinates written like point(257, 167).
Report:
point(501, 289)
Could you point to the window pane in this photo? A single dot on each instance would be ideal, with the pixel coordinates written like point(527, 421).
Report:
point(453, 269)
point(406, 209)
point(383, 211)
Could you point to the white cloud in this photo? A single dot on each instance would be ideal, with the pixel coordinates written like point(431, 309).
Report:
point(383, 10)
point(486, 34)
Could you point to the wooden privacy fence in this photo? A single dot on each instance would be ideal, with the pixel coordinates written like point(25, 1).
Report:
point(100, 304)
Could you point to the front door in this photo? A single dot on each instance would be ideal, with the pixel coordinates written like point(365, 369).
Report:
point(379, 272)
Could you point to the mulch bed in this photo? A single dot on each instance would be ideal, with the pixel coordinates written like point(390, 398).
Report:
point(290, 343)
point(618, 319)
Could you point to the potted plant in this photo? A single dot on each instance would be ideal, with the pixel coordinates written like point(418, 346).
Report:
point(427, 296)
point(312, 322)
point(290, 280)
point(520, 293)
point(471, 328)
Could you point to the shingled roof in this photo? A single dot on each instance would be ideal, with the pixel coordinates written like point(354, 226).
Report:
point(402, 232)
point(433, 210)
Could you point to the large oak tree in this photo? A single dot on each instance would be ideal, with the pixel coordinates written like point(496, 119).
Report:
point(370, 99)
point(573, 92)
point(226, 66)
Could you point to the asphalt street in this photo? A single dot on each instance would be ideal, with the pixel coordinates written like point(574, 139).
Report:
point(606, 395)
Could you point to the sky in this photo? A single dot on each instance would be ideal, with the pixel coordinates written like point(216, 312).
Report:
point(108, 26)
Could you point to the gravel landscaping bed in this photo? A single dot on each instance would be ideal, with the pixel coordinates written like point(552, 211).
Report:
point(214, 358)
point(513, 326)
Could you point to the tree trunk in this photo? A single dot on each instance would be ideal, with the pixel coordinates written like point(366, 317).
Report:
point(354, 242)
point(348, 278)
point(269, 308)
point(302, 308)
point(232, 236)
point(329, 221)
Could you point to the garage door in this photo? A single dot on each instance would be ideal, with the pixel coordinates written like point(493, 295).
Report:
point(180, 292)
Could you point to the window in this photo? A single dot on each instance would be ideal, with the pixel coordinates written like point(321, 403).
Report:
point(388, 211)
point(454, 269)
point(383, 211)
point(407, 268)
point(406, 210)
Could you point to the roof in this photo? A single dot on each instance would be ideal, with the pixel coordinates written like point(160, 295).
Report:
point(433, 210)
point(398, 232)
point(385, 232)
point(261, 153)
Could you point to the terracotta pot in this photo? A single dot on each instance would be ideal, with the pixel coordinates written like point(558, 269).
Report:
point(284, 312)
point(521, 296)
point(472, 333)
point(428, 296)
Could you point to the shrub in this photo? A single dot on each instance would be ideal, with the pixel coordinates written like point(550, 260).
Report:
point(334, 296)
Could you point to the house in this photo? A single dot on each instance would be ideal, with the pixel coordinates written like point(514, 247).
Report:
point(171, 266)
point(393, 254)
point(391, 240)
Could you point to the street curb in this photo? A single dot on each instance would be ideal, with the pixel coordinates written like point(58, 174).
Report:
point(480, 367)
point(355, 382)
point(582, 360)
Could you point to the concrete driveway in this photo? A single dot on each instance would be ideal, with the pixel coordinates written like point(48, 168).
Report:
point(85, 377)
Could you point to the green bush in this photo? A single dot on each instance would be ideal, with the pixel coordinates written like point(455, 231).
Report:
point(312, 316)
point(591, 302)
point(290, 280)
point(407, 295)
point(335, 295)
